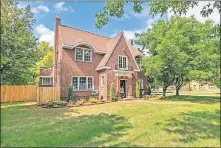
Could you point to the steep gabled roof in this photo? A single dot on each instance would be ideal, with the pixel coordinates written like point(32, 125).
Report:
point(110, 47)
point(71, 36)
point(105, 45)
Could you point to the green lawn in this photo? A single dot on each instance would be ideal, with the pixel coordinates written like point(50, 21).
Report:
point(177, 121)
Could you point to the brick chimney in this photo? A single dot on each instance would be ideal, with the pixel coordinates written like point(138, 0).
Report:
point(55, 65)
point(131, 42)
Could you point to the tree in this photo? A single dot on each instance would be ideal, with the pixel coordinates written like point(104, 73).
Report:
point(18, 44)
point(44, 57)
point(181, 49)
point(43, 49)
point(70, 94)
point(138, 95)
point(150, 81)
point(112, 92)
point(115, 8)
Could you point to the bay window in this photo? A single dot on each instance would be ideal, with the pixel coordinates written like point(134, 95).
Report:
point(83, 54)
point(82, 83)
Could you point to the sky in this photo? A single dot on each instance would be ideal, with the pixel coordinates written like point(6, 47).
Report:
point(81, 15)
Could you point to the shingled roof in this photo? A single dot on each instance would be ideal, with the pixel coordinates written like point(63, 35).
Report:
point(45, 72)
point(72, 36)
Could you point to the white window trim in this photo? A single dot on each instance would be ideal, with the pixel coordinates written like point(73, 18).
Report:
point(83, 54)
point(42, 82)
point(101, 82)
point(122, 62)
point(78, 77)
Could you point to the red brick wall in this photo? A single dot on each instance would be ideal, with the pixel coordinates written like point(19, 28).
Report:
point(70, 68)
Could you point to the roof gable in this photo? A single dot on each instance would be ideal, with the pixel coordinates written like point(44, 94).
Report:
point(110, 48)
point(122, 48)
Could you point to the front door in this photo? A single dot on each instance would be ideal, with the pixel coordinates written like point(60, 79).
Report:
point(123, 88)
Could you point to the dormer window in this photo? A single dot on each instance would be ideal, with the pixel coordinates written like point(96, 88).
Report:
point(83, 54)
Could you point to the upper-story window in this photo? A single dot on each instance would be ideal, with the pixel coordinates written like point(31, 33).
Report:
point(83, 54)
point(138, 61)
point(122, 62)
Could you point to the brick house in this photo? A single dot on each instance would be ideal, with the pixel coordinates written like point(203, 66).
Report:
point(45, 77)
point(91, 62)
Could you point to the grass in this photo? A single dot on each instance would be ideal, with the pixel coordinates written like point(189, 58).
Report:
point(189, 121)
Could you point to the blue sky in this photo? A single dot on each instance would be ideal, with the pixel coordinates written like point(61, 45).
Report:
point(81, 15)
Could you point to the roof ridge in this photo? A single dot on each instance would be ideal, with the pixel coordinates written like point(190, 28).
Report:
point(86, 31)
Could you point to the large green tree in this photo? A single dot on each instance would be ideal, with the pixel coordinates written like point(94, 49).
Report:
point(18, 44)
point(44, 58)
point(115, 8)
point(181, 49)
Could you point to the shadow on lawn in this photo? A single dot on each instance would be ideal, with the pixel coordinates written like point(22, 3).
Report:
point(194, 126)
point(56, 131)
point(195, 99)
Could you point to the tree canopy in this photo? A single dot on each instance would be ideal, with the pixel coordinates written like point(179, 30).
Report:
point(18, 44)
point(115, 8)
point(181, 49)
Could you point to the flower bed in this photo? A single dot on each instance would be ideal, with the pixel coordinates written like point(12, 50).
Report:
point(80, 102)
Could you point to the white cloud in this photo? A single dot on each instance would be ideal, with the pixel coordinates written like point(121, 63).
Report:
point(40, 8)
point(60, 7)
point(43, 8)
point(130, 34)
point(196, 12)
point(21, 5)
point(152, 21)
point(45, 34)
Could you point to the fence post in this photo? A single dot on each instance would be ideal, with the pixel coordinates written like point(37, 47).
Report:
point(38, 96)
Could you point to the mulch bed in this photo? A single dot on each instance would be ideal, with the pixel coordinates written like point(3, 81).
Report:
point(85, 104)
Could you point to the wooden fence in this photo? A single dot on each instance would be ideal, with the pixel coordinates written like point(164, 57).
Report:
point(14, 93)
point(46, 94)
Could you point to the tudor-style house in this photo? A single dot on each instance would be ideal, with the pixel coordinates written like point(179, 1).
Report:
point(90, 63)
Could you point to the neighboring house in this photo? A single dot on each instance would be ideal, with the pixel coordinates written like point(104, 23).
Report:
point(91, 62)
point(45, 77)
point(195, 86)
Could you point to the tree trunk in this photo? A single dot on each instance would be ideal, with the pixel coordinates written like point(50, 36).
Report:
point(177, 92)
point(164, 92)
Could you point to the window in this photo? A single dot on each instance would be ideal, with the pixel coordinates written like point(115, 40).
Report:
point(46, 81)
point(79, 54)
point(122, 62)
point(200, 86)
point(138, 62)
point(75, 83)
point(89, 84)
point(82, 83)
point(83, 54)
point(87, 55)
point(102, 81)
point(140, 81)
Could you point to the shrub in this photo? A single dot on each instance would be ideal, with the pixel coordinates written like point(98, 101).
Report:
point(56, 104)
point(138, 95)
point(93, 100)
point(71, 95)
point(112, 92)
